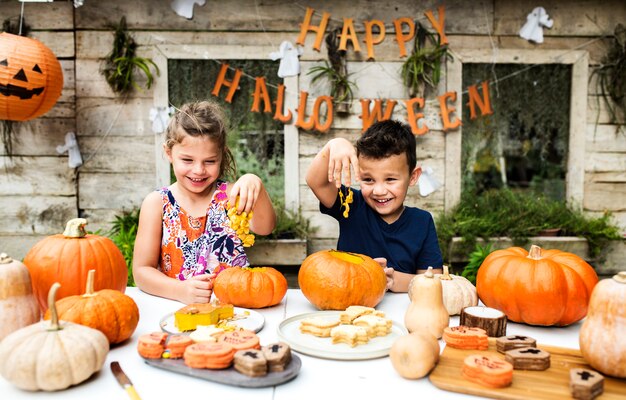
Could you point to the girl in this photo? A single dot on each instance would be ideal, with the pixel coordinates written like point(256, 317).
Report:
point(184, 230)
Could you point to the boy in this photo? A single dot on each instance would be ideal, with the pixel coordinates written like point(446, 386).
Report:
point(378, 224)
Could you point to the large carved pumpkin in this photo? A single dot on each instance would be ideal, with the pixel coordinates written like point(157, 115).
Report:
point(335, 280)
point(538, 287)
point(31, 78)
point(67, 258)
point(256, 287)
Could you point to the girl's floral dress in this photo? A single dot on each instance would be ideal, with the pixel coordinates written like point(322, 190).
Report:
point(194, 246)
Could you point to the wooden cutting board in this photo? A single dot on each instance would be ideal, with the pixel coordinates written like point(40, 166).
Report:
point(552, 383)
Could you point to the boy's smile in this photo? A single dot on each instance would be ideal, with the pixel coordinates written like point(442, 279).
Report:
point(384, 184)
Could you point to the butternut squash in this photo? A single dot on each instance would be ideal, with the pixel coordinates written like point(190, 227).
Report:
point(426, 309)
point(414, 355)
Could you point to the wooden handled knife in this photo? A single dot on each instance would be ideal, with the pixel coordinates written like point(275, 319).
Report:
point(124, 381)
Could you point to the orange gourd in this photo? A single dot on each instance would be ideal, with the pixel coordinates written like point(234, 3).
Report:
point(109, 311)
point(255, 287)
point(335, 280)
point(67, 258)
point(538, 287)
point(31, 78)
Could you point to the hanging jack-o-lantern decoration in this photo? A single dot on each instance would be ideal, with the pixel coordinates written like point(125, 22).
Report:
point(31, 78)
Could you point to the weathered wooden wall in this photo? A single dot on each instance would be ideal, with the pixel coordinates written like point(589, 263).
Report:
point(39, 191)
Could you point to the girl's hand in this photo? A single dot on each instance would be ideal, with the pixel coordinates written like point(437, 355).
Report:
point(197, 289)
point(248, 188)
point(342, 155)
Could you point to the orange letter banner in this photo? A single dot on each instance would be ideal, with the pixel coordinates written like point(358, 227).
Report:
point(402, 38)
point(475, 99)
point(319, 30)
point(413, 116)
point(348, 33)
point(221, 80)
point(369, 38)
point(446, 111)
point(313, 122)
point(376, 114)
point(280, 101)
point(438, 25)
point(260, 92)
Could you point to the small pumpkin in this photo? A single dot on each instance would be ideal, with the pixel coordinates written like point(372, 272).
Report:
point(538, 287)
point(18, 306)
point(414, 355)
point(335, 280)
point(110, 311)
point(458, 292)
point(31, 78)
point(603, 333)
point(255, 287)
point(67, 258)
point(52, 355)
point(426, 310)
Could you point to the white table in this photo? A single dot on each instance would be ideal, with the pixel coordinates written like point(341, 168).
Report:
point(319, 379)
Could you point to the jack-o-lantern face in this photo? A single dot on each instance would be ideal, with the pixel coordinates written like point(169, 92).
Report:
point(30, 78)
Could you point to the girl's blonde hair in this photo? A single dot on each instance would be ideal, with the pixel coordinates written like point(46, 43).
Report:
point(202, 118)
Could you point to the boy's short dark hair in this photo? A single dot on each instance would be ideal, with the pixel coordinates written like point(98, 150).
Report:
point(386, 138)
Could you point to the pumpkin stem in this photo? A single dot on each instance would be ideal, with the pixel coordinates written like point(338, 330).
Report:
point(446, 274)
point(620, 277)
point(89, 292)
point(5, 259)
point(535, 252)
point(54, 316)
point(75, 228)
point(429, 273)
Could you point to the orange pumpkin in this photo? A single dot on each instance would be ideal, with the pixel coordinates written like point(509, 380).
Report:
point(538, 287)
point(255, 287)
point(109, 311)
point(335, 280)
point(31, 78)
point(66, 258)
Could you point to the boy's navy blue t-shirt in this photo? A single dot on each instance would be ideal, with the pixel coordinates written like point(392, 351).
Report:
point(408, 244)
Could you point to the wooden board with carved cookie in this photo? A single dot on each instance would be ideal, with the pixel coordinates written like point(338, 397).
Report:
point(553, 383)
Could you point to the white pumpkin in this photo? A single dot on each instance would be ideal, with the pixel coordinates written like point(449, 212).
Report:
point(603, 333)
point(52, 355)
point(18, 306)
point(458, 292)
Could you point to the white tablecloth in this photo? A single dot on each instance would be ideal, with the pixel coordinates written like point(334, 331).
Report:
point(319, 379)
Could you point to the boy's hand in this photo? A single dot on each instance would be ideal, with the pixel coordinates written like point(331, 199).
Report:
point(197, 289)
point(388, 271)
point(342, 155)
point(248, 188)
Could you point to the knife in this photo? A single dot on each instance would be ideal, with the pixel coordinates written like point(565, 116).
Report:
point(123, 380)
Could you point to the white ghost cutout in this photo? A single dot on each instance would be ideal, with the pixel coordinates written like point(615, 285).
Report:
point(535, 22)
point(288, 55)
point(427, 182)
point(71, 146)
point(184, 8)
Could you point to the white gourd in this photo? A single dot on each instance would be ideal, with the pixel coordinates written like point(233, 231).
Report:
point(18, 305)
point(458, 292)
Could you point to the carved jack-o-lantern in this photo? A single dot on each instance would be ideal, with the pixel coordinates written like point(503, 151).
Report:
point(31, 78)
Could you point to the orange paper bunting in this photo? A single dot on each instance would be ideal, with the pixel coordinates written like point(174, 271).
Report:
point(348, 33)
point(221, 81)
point(370, 41)
point(280, 101)
point(446, 111)
point(413, 117)
point(483, 103)
point(260, 93)
point(319, 30)
point(401, 38)
point(369, 117)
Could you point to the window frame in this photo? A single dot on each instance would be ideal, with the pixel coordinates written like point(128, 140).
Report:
point(578, 59)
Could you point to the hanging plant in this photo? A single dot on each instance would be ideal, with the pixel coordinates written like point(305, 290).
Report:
point(335, 70)
point(424, 64)
point(121, 63)
point(612, 77)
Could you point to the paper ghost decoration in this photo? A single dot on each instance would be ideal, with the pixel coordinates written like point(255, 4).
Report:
point(535, 21)
point(160, 117)
point(427, 182)
point(71, 146)
point(184, 8)
point(288, 55)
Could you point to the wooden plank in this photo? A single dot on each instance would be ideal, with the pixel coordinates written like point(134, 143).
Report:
point(277, 252)
point(22, 176)
point(605, 196)
point(17, 246)
point(40, 136)
point(248, 15)
point(595, 46)
point(598, 112)
point(125, 190)
point(117, 154)
point(326, 226)
point(61, 43)
point(606, 177)
point(574, 180)
point(114, 117)
point(100, 220)
point(39, 215)
point(41, 16)
point(91, 83)
point(571, 18)
point(604, 139)
point(605, 162)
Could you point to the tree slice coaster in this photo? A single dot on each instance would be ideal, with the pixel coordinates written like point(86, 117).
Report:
point(585, 384)
point(528, 358)
point(491, 320)
point(506, 343)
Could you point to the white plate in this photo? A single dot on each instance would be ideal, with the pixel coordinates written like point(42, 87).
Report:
point(289, 331)
point(247, 319)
